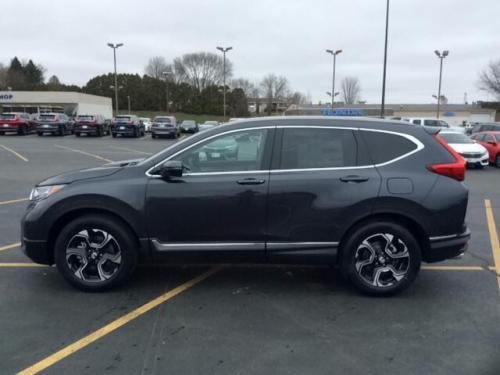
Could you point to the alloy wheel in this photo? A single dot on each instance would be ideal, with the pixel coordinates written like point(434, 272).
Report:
point(93, 255)
point(382, 260)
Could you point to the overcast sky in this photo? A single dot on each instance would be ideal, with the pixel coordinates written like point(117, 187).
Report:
point(286, 37)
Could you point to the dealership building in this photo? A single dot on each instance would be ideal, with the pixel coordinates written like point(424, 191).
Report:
point(71, 103)
point(454, 114)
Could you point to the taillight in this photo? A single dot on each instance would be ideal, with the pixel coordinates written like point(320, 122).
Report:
point(454, 170)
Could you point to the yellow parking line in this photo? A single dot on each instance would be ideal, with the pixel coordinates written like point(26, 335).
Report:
point(13, 201)
point(11, 246)
point(84, 153)
point(495, 245)
point(131, 150)
point(108, 328)
point(22, 265)
point(456, 268)
point(14, 152)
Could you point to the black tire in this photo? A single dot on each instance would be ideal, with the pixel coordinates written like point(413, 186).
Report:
point(135, 134)
point(22, 131)
point(39, 134)
point(2, 133)
point(99, 132)
point(153, 135)
point(61, 131)
point(497, 161)
point(77, 134)
point(123, 242)
point(378, 233)
point(114, 135)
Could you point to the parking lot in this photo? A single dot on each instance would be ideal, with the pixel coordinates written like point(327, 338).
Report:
point(238, 319)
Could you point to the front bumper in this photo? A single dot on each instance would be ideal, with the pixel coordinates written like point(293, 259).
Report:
point(481, 161)
point(9, 128)
point(446, 247)
point(37, 251)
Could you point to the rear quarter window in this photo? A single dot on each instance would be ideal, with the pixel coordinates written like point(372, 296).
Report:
point(383, 147)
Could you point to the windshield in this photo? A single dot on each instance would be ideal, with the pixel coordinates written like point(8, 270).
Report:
point(456, 138)
point(85, 118)
point(188, 123)
point(165, 120)
point(8, 116)
point(145, 119)
point(210, 123)
point(47, 117)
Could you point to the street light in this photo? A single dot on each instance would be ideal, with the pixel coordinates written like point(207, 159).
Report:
point(441, 57)
point(330, 94)
point(167, 76)
point(224, 50)
point(334, 54)
point(128, 101)
point(382, 106)
point(115, 47)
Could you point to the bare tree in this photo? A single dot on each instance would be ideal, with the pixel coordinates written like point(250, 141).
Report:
point(351, 90)
point(248, 87)
point(489, 79)
point(274, 88)
point(3, 77)
point(202, 69)
point(156, 66)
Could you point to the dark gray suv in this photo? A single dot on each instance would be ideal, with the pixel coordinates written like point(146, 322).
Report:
point(373, 197)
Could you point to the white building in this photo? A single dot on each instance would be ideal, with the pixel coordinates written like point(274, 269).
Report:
point(71, 103)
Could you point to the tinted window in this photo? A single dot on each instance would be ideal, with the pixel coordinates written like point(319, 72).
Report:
point(165, 120)
point(417, 122)
point(8, 116)
point(384, 147)
point(456, 138)
point(489, 138)
point(239, 151)
point(85, 118)
point(304, 148)
point(497, 136)
point(47, 117)
point(432, 123)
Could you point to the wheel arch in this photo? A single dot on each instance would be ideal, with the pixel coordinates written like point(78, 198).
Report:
point(418, 231)
point(69, 216)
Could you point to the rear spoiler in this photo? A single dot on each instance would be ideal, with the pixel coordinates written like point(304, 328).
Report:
point(432, 130)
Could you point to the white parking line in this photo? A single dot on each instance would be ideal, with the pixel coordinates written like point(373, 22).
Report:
point(15, 153)
point(84, 153)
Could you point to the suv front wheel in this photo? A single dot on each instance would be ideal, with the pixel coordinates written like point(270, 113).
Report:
point(381, 258)
point(95, 253)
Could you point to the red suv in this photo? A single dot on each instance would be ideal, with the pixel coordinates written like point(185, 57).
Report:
point(91, 124)
point(491, 141)
point(20, 123)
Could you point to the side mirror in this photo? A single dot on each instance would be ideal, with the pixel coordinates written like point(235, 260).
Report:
point(171, 168)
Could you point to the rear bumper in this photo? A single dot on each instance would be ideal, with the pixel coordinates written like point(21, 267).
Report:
point(10, 128)
point(446, 247)
point(164, 131)
point(476, 162)
point(91, 130)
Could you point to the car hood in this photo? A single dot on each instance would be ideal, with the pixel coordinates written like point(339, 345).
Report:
point(468, 147)
point(84, 174)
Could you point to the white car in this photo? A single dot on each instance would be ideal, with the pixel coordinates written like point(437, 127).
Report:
point(147, 123)
point(207, 125)
point(473, 153)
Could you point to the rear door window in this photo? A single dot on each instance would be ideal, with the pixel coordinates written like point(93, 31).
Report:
point(383, 147)
point(417, 122)
point(306, 148)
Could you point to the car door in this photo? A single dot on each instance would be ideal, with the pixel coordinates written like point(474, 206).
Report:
point(219, 204)
point(319, 182)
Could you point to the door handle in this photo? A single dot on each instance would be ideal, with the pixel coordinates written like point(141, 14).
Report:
point(354, 179)
point(250, 181)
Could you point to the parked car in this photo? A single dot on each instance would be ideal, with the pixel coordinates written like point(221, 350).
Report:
point(295, 189)
point(189, 126)
point(484, 127)
point(127, 125)
point(91, 125)
point(428, 122)
point(473, 153)
point(147, 123)
point(18, 122)
point(54, 123)
point(165, 126)
point(491, 141)
point(207, 125)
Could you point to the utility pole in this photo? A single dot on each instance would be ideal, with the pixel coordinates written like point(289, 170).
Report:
point(128, 100)
point(334, 54)
point(224, 50)
point(167, 104)
point(382, 107)
point(441, 57)
point(115, 47)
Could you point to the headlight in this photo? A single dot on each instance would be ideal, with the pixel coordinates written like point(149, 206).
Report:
point(43, 192)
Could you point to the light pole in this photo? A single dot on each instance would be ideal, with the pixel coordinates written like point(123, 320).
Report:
point(382, 106)
point(334, 54)
point(128, 100)
point(224, 50)
point(115, 47)
point(166, 75)
point(441, 58)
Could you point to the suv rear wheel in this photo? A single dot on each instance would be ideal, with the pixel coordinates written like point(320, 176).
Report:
point(497, 161)
point(381, 258)
point(95, 253)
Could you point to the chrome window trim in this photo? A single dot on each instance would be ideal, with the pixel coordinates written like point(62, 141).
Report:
point(420, 146)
